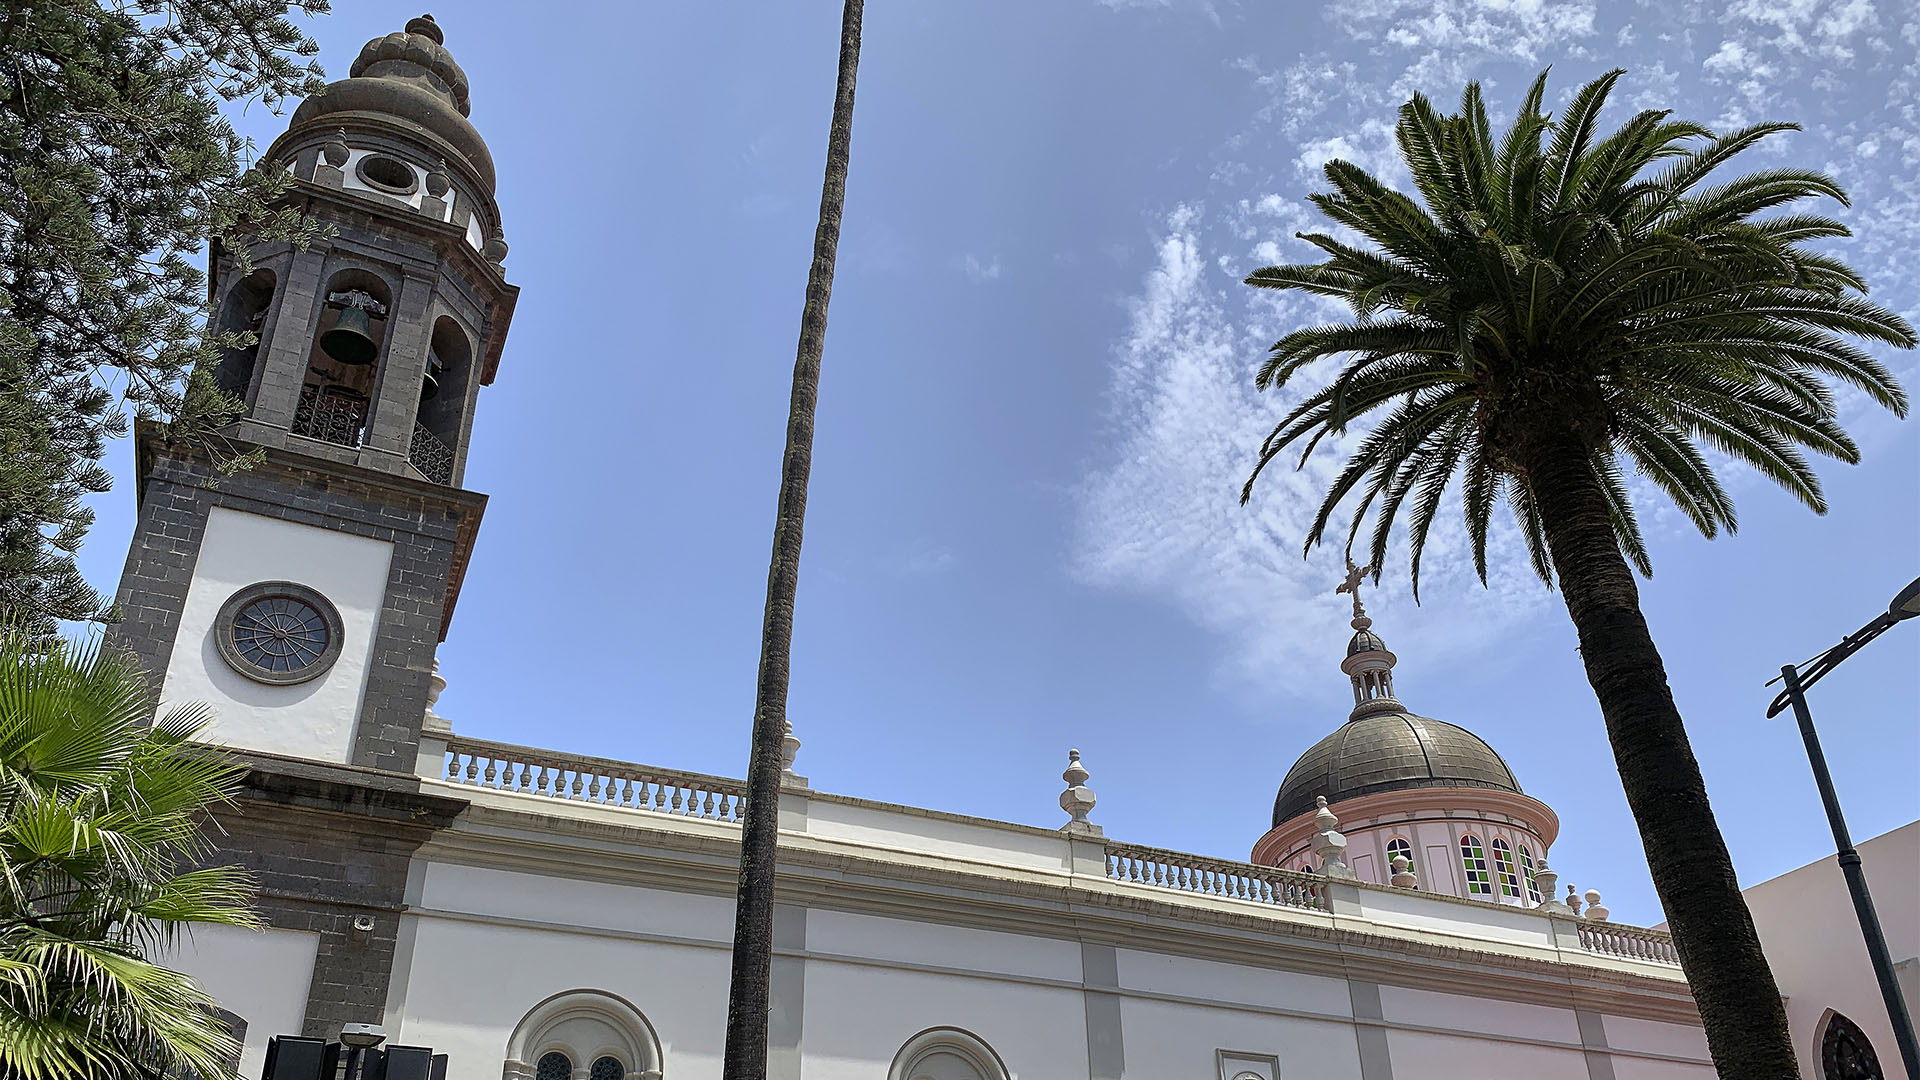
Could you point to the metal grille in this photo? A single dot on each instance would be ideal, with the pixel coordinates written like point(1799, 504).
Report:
point(330, 416)
point(553, 1065)
point(279, 634)
point(432, 457)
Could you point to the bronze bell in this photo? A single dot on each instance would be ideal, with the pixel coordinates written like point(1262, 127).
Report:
point(430, 386)
point(350, 341)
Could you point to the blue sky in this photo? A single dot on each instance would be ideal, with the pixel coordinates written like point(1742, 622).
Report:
point(1037, 407)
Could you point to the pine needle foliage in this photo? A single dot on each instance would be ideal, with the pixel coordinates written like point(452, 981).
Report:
point(1656, 308)
point(117, 169)
point(101, 812)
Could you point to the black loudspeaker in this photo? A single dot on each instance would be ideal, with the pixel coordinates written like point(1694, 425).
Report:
point(439, 1067)
point(405, 1063)
point(291, 1057)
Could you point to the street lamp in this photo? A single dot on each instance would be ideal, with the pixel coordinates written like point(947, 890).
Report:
point(1904, 606)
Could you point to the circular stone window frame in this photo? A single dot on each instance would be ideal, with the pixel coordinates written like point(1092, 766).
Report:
point(382, 160)
point(265, 590)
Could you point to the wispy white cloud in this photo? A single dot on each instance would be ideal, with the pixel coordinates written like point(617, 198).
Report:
point(977, 270)
point(1162, 516)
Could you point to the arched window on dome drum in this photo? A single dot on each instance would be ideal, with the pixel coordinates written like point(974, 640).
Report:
point(554, 1065)
point(1503, 865)
point(1526, 871)
point(607, 1068)
point(1474, 859)
point(1400, 847)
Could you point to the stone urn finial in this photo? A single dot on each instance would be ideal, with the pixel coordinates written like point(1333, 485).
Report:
point(1596, 910)
point(1078, 799)
point(1546, 880)
point(1403, 875)
point(436, 685)
point(1328, 845)
point(335, 150)
point(1573, 901)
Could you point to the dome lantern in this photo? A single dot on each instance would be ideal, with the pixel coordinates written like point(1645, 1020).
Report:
point(1368, 664)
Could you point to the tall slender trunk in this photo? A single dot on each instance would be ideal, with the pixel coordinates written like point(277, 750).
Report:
point(1719, 949)
point(747, 1004)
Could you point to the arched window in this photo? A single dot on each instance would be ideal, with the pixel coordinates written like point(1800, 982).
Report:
point(1399, 847)
point(1474, 858)
point(1503, 865)
point(1526, 871)
point(946, 1054)
point(1845, 1053)
point(583, 1035)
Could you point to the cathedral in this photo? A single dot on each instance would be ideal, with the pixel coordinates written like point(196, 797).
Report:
point(534, 915)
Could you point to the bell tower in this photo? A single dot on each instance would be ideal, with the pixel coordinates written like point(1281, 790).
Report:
point(304, 597)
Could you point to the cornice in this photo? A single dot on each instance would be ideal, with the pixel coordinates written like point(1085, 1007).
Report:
point(695, 856)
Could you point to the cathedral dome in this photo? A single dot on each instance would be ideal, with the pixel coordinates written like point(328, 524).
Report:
point(1389, 751)
point(406, 80)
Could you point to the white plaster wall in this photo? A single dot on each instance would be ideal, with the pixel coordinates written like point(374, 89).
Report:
point(469, 984)
point(1419, 1055)
point(982, 843)
point(1208, 980)
point(1485, 1016)
point(934, 945)
point(1655, 1037)
point(589, 905)
point(314, 719)
point(1174, 1041)
point(1482, 919)
point(857, 1018)
point(1630, 1068)
point(1806, 924)
point(260, 976)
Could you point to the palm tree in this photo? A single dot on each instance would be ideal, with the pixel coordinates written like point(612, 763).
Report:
point(1555, 308)
point(100, 808)
point(746, 1052)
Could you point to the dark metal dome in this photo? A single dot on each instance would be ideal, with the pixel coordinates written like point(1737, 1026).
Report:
point(1365, 641)
point(1389, 751)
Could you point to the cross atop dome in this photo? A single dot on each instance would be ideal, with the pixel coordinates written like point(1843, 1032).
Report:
point(1356, 576)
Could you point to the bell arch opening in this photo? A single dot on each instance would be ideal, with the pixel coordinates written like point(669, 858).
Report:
point(244, 311)
point(443, 400)
point(343, 363)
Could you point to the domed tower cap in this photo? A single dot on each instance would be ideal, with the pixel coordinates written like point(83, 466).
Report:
point(408, 85)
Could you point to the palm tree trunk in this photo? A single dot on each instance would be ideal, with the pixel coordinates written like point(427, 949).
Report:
point(747, 1004)
point(1719, 949)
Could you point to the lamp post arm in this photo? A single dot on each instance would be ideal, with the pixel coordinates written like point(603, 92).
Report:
point(1818, 667)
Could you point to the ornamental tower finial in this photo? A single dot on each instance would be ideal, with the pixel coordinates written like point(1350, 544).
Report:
point(1368, 663)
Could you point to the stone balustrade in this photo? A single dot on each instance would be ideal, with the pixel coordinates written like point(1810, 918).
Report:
point(1216, 877)
point(502, 767)
point(1631, 942)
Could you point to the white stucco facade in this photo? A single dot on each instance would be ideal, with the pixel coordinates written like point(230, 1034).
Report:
point(314, 719)
point(1813, 943)
point(1037, 948)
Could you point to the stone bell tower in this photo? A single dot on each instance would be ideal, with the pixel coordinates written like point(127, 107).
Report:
point(304, 597)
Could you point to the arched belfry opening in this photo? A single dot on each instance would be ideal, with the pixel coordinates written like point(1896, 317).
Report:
point(443, 398)
point(244, 311)
point(343, 362)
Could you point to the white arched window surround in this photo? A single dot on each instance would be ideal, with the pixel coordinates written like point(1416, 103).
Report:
point(585, 1025)
point(933, 1043)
